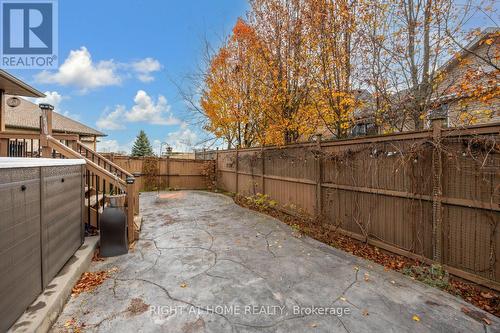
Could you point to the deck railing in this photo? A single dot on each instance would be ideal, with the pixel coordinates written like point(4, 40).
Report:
point(104, 176)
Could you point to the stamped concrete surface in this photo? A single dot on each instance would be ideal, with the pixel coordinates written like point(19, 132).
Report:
point(204, 264)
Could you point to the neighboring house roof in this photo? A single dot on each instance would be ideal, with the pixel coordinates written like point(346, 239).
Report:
point(27, 116)
point(365, 112)
point(13, 86)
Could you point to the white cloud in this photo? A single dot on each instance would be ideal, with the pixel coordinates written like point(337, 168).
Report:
point(80, 71)
point(145, 67)
point(183, 140)
point(113, 146)
point(149, 111)
point(55, 99)
point(51, 97)
point(112, 120)
point(145, 110)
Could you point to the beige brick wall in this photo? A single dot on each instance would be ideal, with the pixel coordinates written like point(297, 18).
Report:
point(455, 73)
point(472, 112)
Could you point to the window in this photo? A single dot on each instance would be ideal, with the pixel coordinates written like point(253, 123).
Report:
point(363, 129)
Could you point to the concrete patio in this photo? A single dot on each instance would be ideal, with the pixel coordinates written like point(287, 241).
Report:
point(204, 264)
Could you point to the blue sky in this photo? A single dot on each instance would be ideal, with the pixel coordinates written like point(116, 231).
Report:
point(117, 60)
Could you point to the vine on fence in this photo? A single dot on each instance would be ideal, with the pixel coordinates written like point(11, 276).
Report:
point(475, 155)
point(208, 170)
point(150, 172)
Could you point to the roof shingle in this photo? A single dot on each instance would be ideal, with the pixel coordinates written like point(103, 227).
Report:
point(27, 116)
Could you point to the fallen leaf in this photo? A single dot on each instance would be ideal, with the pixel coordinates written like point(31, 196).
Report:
point(486, 295)
point(96, 256)
point(183, 285)
point(415, 318)
point(365, 312)
point(137, 306)
point(89, 281)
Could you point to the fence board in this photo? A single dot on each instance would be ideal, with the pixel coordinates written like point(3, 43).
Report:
point(384, 187)
point(168, 173)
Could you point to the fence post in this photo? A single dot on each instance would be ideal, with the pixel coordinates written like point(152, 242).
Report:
point(131, 194)
point(4, 147)
point(319, 208)
point(437, 118)
point(136, 196)
point(216, 168)
point(263, 176)
point(4, 143)
point(236, 166)
point(46, 129)
point(168, 171)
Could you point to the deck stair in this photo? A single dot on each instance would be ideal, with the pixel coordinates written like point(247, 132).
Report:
point(103, 178)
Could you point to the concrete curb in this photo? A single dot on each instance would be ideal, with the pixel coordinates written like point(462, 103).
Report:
point(44, 311)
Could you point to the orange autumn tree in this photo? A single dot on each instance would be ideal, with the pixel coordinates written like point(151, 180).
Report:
point(298, 67)
point(216, 99)
point(233, 94)
point(283, 33)
point(332, 27)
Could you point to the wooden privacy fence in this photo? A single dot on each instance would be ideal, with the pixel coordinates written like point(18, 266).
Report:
point(152, 173)
point(431, 195)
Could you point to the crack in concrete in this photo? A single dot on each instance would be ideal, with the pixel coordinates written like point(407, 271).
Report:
point(217, 276)
point(344, 291)
point(253, 255)
point(268, 245)
point(273, 324)
point(245, 266)
point(343, 325)
point(167, 293)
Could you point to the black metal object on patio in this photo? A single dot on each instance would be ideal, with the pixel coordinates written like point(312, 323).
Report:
point(113, 240)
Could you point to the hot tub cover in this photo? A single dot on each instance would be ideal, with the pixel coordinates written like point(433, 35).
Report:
point(23, 162)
